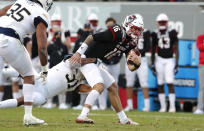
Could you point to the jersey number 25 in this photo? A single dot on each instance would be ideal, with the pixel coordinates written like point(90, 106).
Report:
point(17, 11)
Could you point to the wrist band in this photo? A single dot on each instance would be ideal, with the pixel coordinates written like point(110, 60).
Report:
point(44, 68)
point(82, 48)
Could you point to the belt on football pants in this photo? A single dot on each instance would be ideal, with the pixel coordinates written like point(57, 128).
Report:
point(9, 32)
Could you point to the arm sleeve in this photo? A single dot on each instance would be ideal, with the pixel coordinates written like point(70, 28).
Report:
point(200, 42)
point(154, 39)
point(42, 17)
point(112, 34)
point(147, 41)
point(174, 37)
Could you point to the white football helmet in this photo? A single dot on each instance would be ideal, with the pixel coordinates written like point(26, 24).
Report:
point(162, 21)
point(93, 20)
point(47, 4)
point(133, 25)
point(56, 21)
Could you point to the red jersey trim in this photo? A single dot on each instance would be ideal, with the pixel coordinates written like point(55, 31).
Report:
point(112, 33)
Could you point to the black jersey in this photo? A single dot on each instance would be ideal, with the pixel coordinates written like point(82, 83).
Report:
point(109, 43)
point(165, 41)
point(144, 42)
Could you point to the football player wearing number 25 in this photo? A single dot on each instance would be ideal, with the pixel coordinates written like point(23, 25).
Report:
point(17, 20)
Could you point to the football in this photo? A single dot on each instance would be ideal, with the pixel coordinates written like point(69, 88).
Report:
point(134, 59)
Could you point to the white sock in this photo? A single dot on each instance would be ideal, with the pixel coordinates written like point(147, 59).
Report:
point(129, 103)
point(10, 103)
point(28, 90)
point(83, 98)
point(172, 99)
point(28, 110)
point(162, 100)
point(91, 98)
point(15, 95)
point(146, 103)
point(62, 98)
point(1, 95)
point(122, 116)
point(84, 112)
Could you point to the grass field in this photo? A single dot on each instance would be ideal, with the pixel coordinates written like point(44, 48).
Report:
point(64, 120)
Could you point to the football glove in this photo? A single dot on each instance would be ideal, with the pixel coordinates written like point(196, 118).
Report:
point(175, 69)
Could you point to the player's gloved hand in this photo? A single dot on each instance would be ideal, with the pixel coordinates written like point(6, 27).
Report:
point(43, 74)
point(76, 58)
point(153, 69)
point(175, 69)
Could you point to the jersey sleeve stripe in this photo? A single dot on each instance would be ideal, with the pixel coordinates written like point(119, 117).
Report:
point(112, 33)
point(37, 21)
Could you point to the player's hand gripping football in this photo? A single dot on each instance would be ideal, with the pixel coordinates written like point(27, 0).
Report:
point(75, 59)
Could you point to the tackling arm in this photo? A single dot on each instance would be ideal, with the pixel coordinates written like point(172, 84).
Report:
point(84, 88)
point(4, 10)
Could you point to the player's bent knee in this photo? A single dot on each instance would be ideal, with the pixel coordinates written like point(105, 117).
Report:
point(113, 88)
point(29, 79)
point(99, 87)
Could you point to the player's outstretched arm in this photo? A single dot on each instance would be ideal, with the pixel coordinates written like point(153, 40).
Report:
point(84, 88)
point(4, 10)
point(76, 58)
point(42, 43)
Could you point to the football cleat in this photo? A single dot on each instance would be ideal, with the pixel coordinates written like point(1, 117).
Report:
point(63, 106)
point(95, 108)
point(79, 107)
point(31, 120)
point(162, 110)
point(128, 108)
point(85, 120)
point(47, 106)
point(128, 121)
point(172, 110)
point(198, 111)
point(145, 109)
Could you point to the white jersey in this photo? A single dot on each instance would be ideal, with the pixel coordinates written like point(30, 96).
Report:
point(24, 16)
point(61, 78)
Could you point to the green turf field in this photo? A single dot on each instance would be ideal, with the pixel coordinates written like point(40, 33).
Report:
point(64, 120)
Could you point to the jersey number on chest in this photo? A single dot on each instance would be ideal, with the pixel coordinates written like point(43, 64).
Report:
point(71, 81)
point(17, 12)
point(164, 43)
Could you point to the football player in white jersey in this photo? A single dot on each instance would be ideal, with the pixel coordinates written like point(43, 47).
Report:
point(65, 77)
point(25, 17)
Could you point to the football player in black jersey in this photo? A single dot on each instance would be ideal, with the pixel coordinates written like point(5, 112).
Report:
point(104, 45)
point(167, 43)
point(113, 67)
point(144, 44)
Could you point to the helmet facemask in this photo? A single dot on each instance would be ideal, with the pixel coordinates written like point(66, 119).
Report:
point(133, 25)
point(162, 25)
